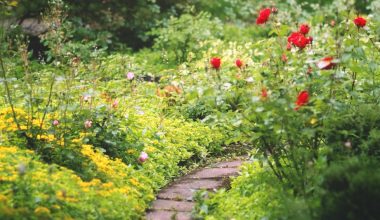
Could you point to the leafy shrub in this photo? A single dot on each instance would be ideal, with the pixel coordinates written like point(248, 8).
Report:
point(355, 132)
point(351, 190)
point(255, 194)
point(41, 191)
point(182, 35)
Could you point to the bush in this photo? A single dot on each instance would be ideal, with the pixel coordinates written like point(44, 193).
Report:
point(354, 131)
point(351, 190)
point(184, 34)
point(255, 194)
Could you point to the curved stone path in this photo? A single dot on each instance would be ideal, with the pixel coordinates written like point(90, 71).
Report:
point(175, 202)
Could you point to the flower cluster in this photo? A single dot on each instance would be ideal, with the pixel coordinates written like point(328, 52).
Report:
point(300, 39)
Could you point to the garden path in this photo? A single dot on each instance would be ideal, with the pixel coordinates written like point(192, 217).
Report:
point(175, 202)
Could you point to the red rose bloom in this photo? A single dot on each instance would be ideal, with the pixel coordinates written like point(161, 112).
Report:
point(239, 63)
point(311, 39)
point(263, 16)
point(299, 40)
point(302, 99)
point(326, 63)
point(304, 29)
point(215, 63)
point(264, 93)
point(360, 22)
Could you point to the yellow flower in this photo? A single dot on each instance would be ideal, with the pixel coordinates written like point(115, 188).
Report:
point(108, 185)
point(61, 195)
point(76, 140)
point(40, 210)
point(313, 121)
point(56, 207)
point(134, 182)
point(150, 149)
point(3, 198)
point(131, 151)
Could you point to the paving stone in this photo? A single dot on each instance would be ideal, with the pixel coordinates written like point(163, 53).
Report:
point(198, 184)
point(171, 205)
point(174, 201)
point(176, 194)
point(228, 164)
point(213, 173)
point(168, 215)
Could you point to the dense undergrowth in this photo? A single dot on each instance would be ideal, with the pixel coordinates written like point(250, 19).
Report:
point(89, 133)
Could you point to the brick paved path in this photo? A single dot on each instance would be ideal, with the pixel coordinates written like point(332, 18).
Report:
point(175, 202)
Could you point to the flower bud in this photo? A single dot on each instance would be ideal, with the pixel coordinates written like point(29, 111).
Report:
point(115, 104)
point(88, 124)
point(130, 76)
point(55, 122)
point(143, 157)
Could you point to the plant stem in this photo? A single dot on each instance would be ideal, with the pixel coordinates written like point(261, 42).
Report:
point(8, 93)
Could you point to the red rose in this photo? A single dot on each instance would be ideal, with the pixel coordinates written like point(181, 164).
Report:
point(302, 99)
point(304, 29)
point(299, 40)
point(215, 63)
point(360, 22)
point(264, 93)
point(263, 16)
point(326, 63)
point(311, 39)
point(239, 63)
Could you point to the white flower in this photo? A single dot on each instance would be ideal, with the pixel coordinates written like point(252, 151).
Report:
point(249, 80)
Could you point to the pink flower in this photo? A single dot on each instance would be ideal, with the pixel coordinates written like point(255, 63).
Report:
point(130, 76)
point(284, 58)
point(289, 46)
point(88, 124)
point(115, 104)
point(86, 98)
point(274, 10)
point(55, 122)
point(143, 157)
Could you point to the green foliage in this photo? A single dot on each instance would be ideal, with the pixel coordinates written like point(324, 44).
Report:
point(351, 190)
point(81, 117)
point(354, 131)
point(182, 35)
point(256, 194)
